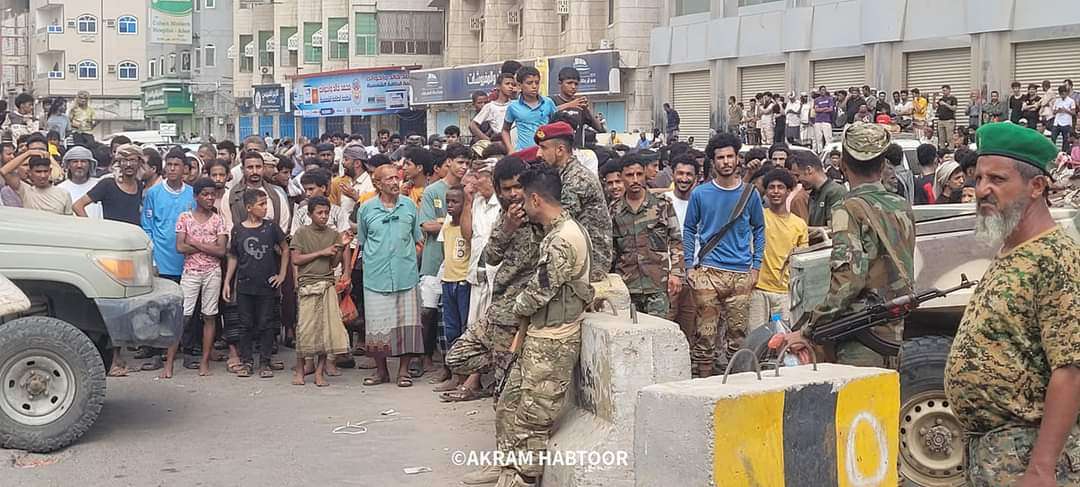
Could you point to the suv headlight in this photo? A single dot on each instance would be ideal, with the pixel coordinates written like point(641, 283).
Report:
point(132, 269)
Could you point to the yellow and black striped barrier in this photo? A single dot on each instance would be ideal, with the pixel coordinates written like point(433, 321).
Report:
point(834, 427)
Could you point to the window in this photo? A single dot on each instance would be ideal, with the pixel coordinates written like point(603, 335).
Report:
point(127, 25)
point(610, 12)
point(87, 70)
point(687, 7)
point(87, 24)
point(198, 57)
point(185, 61)
point(313, 46)
point(290, 52)
point(339, 46)
point(153, 68)
point(411, 33)
point(747, 3)
point(210, 4)
point(172, 62)
point(564, 23)
point(266, 56)
point(210, 55)
point(128, 71)
point(521, 24)
point(247, 63)
point(366, 35)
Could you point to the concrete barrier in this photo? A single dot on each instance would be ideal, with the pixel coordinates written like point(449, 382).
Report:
point(837, 426)
point(618, 359)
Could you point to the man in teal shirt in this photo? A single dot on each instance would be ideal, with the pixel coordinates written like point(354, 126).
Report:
point(388, 229)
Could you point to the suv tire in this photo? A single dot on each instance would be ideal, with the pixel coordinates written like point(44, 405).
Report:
point(52, 384)
point(931, 441)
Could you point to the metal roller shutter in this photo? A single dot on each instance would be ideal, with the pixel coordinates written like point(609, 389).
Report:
point(928, 70)
point(759, 79)
point(690, 95)
point(1045, 60)
point(839, 73)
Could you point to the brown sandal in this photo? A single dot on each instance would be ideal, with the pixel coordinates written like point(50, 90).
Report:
point(463, 394)
point(243, 371)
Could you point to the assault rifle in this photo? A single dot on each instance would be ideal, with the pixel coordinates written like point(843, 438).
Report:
point(880, 313)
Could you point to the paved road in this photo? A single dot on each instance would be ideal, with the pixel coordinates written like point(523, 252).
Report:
point(226, 431)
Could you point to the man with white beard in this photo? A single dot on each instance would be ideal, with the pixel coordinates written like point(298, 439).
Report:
point(1013, 374)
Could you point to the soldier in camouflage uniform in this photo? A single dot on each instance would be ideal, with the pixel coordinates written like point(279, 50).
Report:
point(582, 195)
point(873, 234)
point(647, 239)
point(1013, 374)
point(550, 309)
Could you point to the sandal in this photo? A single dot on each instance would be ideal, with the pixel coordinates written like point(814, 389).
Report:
point(190, 362)
point(243, 371)
point(266, 373)
point(277, 365)
point(155, 363)
point(404, 381)
point(118, 371)
point(375, 380)
point(234, 368)
point(463, 394)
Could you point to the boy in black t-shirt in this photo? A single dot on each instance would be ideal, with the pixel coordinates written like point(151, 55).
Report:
point(258, 259)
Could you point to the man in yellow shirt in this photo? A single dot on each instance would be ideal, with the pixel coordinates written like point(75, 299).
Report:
point(784, 232)
point(920, 111)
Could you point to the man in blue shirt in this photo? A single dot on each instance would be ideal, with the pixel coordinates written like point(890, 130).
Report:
point(162, 206)
point(528, 112)
point(723, 276)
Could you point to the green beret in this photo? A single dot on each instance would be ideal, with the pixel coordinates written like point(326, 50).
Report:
point(1016, 142)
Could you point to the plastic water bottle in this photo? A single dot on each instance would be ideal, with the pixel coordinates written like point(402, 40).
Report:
point(777, 323)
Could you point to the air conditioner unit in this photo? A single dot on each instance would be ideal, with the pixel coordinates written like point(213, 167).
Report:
point(266, 70)
point(606, 44)
point(112, 68)
point(56, 75)
point(72, 24)
point(72, 68)
point(476, 24)
point(562, 7)
point(110, 23)
point(513, 17)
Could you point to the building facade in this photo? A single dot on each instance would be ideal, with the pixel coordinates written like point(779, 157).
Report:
point(14, 51)
point(704, 51)
point(97, 47)
point(189, 84)
point(552, 34)
point(341, 64)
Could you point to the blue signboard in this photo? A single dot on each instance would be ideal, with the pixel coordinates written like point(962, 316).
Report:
point(269, 98)
point(594, 68)
point(355, 93)
point(454, 85)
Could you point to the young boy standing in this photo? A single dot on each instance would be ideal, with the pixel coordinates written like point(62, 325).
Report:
point(201, 237)
point(528, 112)
point(317, 250)
point(784, 232)
point(457, 252)
point(253, 247)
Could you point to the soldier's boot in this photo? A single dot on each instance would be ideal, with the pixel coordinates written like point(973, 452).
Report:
point(512, 478)
point(486, 475)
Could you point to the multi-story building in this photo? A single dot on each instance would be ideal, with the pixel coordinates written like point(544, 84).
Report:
point(189, 84)
point(305, 67)
point(93, 46)
point(14, 51)
point(705, 51)
point(607, 41)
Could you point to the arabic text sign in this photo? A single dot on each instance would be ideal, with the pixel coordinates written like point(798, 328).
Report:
point(269, 98)
point(359, 93)
point(170, 21)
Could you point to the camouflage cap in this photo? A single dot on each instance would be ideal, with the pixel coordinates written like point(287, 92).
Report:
point(865, 141)
point(1017, 142)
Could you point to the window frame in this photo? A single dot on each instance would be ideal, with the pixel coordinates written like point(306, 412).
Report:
point(153, 68)
point(198, 58)
point(132, 65)
point(127, 19)
point(209, 56)
point(209, 4)
point(88, 64)
point(336, 52)
point(368, 42)
point(90, 21)
point(173, 62)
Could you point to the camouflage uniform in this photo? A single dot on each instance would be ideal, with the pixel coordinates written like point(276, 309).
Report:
point(860, 263)
point(487, 343)
point(553, 302)
point(648, 249)
point(583, 199)
point(1020, 324)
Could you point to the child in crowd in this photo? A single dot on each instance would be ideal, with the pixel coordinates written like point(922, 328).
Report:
point(456, 236)
point(201, 237)
point(258, 260)
point(317, 250)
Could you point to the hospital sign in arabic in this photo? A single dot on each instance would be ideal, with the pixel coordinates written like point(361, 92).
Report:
point(353, 93)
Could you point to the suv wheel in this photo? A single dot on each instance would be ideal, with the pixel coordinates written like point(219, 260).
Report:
point(52, 384)
point(931, 439)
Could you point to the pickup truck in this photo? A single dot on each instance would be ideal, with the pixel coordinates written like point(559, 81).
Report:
point(80, 287)
point(931, 441)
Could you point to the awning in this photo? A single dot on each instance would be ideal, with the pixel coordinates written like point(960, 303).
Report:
point(317, 38)
point(293, 42)
point(343, 34)
point(249, 49)
point(230, 53)
point(271, 44)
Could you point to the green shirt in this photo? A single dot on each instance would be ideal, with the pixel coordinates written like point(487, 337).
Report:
point(389, 237)
point(432, 207)
point(308, 240)
point(822, 201)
